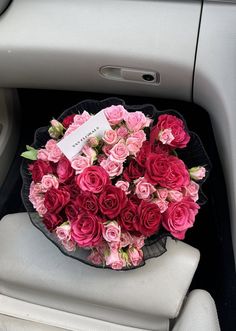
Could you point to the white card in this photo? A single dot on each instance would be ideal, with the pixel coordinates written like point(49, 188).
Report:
point(72, 144)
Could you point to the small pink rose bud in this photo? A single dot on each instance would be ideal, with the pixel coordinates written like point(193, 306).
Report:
point(56, 129)
point(197, 173)
point(93, 141)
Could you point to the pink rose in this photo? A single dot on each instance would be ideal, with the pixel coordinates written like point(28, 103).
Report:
point(135, 120)
point(93, 179)
point(50, 145)
point(63, 231)
point(192, 190)
point(89, 152)
point(81, 119)
point(95, 257)
point(197, 173)
point(115, 261)
point(79, 163)
point(162, 204)
point(175, 196)
point(119, 152)
point(49, 181)
point(162, 193)
point(125, 239)
point(54, 154)
point(115, 114)
point(42, 155)
point(166, 136)
point(143, 189)
point(123, 185)
point(112, 168)
point(122, 132)
point(40, 207)
point(111, 232)
point(35, 193)
point(180, 216)
point(135, 141)
point(135, 256)
point(138, 242)
point(110, 137)
point(69, 245)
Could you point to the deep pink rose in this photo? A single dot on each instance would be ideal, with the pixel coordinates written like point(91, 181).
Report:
point(51, 221)
point(177, 127)
point(93, 179)
point(88, 202)
point(133, 171)
point(56, 199)
point(111, 201)
point(167, 171)
point(149, 218)
point(64, 170)
point(40, 168)
point(68, 120)
point(86, 231)
point(159, 148)
point(180, 216)
point(128, 217)
point(115, 114)
point(143, 153)
point(71, 211)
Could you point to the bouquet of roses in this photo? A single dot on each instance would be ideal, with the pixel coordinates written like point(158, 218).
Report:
point(123, 187)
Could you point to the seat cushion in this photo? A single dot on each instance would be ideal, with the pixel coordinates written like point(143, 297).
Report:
point(34, 270)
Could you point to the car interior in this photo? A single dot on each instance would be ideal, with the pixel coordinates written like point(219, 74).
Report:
point(177, 55)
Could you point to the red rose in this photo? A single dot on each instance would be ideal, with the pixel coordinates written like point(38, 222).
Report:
point(180, 135)
point(56, 199)
point(149, 219)
point(40, 168)
point(143, 153)
point(71, 211)
point(87, 230)
point(68, 120)
point(88, 202)
point(128, 217)
point(51, 221)
point(180, 216)
point(64, 169)
point(111, 201)
point(167, 171)
point(133, 171)
point(93, 179)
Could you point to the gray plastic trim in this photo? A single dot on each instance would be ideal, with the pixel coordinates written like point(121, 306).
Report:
point(215, 86)
point(3, 5)
point(61, 44)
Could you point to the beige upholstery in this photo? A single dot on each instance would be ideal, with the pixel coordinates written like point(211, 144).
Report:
point(199, 313)
point(34, 270)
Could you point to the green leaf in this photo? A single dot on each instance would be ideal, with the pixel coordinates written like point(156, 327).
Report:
point(30, 154)
point(30, 148)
